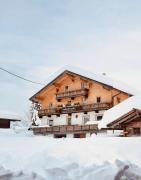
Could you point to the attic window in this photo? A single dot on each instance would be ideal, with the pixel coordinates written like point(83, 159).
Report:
point(66, 88)
point(83, 85)
point(98, 99)
point(50, 122)
point(57, 90)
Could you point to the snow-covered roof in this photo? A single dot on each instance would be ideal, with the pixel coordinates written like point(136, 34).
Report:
point(9, 115)
point(96, 77)
point(119, 110)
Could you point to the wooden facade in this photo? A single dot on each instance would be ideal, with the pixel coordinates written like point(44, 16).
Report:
point(72, 93)
point(63, 130)
point(74, 109)
point(70, 88)
point(129, 122)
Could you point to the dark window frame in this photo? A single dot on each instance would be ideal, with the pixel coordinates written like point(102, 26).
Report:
point(98, 99)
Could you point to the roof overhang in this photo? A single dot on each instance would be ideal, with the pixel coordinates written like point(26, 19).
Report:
point(33, 98)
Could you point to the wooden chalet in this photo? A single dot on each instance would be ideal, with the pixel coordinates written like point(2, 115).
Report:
point(71, 99)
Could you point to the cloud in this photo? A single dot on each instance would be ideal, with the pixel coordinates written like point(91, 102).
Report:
point(39, 37)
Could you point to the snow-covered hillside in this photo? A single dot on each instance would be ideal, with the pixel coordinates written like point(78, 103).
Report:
point(101, 158)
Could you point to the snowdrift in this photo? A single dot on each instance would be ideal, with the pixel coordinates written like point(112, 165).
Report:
point(70, 159)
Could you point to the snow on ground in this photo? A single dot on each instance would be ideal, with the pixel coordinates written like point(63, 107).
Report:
point(38, 157)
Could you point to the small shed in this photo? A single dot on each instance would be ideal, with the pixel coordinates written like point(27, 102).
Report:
point(129, 122)
point(125, 116)
point(7, 118)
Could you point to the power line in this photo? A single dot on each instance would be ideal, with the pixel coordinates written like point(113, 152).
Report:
point(20, 77)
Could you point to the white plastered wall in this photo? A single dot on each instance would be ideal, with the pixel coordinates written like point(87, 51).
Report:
point(76, 118)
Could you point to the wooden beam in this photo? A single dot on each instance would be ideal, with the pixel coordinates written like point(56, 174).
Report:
point(56, 84)
point(122, 117)
point(130, 116)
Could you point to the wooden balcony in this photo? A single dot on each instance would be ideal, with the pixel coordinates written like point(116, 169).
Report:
point(74, 109)
point(64, 129)
point(72, 94)
point(50, 111)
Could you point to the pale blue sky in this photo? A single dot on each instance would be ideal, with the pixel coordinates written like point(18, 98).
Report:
point(39, 36)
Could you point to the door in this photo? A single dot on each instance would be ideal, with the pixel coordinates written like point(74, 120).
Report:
point(81, 135)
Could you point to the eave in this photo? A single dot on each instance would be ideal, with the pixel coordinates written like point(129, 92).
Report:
point(33, 98)
point(128, 117)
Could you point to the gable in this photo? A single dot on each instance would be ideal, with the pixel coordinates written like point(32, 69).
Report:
point(65, 76)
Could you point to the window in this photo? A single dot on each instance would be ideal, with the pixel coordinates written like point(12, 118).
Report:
point(99, 117)
point(98, 99)
point(50, 105)
point(86, 118)
point(50, 122)
point(66, 88)
point(57, 90)
point(83, 85)
point(76, 116)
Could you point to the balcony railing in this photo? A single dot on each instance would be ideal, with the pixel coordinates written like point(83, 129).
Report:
point(63, 129)
point(72, 94)
point(74, 109)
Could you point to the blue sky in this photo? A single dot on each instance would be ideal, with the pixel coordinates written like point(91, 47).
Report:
point(37, 37)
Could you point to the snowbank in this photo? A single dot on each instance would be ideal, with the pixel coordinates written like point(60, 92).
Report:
point(16, 132)
point(119, 110)
point(82, 159)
